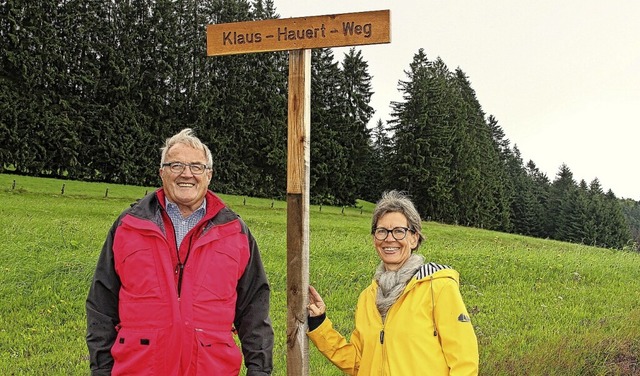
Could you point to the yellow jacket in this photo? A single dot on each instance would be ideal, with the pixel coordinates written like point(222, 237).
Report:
point(427, 331)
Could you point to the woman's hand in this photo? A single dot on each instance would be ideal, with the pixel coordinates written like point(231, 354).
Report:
point(316, 305)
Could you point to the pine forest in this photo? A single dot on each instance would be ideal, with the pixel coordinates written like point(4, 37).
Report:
point(89, 90)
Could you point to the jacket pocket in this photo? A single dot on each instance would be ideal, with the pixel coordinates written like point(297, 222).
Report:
point(216, 353)
point(135, 352)
point(138, 273)
point(220, 278)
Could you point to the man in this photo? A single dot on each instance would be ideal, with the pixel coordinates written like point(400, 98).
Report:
point(178, 274)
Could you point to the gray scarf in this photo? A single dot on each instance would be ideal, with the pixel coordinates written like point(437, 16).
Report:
point(392, 283)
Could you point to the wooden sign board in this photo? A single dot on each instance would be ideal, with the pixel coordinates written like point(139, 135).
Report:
point(336, 30)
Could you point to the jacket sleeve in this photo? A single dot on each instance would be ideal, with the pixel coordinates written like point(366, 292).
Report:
point(457, 337)
point(102, 310)
point(334, 346)
point(252, 319)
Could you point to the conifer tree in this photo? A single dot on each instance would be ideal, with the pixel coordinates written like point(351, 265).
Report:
point(478, 171)
point(593, 211)
point(423, 138)
point(379, 166)
point(355, 137)
point(329, 164)
point(37, 129)
point(524, 207)
point(631, 211)
point(242, 110)
point(563, 207)
point(616, 229)
point(539, 224)
point(11, 94)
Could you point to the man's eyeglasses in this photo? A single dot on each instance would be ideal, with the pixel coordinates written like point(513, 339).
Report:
point(398, 233)
point(178, 167)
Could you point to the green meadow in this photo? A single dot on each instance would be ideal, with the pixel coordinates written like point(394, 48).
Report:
point(539, 307)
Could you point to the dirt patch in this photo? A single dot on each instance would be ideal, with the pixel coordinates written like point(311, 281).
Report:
point(626, 363)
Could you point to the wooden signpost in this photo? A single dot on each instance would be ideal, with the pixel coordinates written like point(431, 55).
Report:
point(298, 36)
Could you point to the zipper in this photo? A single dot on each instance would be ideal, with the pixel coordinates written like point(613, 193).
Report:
point(179, 272)
point(384, 348)
point(384, 351)
point(180, 266)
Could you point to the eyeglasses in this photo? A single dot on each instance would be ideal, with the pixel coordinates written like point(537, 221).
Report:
point(178, 167)
point(398, 233)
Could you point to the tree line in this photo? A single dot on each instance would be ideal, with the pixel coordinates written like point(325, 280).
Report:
point(90, 90)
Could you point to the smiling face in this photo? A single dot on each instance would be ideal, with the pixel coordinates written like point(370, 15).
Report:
point(185, 189)
point(392, 252)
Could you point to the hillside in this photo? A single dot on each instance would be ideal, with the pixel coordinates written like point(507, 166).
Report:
point(539, 307)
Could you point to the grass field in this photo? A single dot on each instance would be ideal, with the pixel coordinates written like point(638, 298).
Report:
point(539, 307)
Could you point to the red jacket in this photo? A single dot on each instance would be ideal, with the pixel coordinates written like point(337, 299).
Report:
point(138, 321)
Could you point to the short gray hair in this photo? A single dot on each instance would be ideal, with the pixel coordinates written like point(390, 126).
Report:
point(185, 137)
point(398, 202)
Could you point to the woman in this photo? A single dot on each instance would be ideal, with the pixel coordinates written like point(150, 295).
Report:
point(411, 319)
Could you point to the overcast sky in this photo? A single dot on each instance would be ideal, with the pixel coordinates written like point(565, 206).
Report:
point(561, 77)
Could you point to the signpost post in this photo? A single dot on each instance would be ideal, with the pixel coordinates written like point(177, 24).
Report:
point(298, 36)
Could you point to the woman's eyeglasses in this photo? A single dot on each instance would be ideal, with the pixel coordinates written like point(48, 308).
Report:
point(398, 233)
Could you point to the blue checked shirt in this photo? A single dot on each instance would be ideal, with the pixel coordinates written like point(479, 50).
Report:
point(182, 225)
